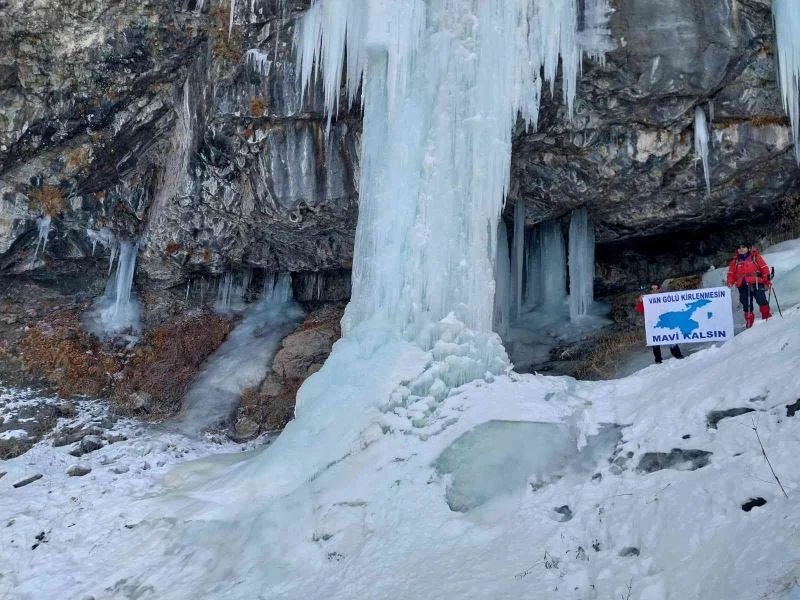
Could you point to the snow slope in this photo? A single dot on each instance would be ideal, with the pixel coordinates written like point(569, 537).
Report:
point(377, 524)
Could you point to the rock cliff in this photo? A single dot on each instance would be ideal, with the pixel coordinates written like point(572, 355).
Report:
point(173, 122)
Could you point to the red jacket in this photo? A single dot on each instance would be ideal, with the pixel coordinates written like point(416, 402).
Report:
point(751, 270)
point(640, 306)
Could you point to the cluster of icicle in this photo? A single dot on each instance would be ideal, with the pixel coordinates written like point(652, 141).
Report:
point(787, 30)
point(443, 84)
point(117, 310)
point(535, 275)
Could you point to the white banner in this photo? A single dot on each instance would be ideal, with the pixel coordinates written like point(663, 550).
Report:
point(688, 317)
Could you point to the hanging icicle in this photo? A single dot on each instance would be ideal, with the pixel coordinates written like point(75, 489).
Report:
point(701, 139)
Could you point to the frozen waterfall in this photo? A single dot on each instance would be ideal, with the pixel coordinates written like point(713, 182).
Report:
point(43, 229)
point(443, 83)
point(243, 360)
point(581, 264)
point(117, 310)
point(701, 138)
point(787, 29)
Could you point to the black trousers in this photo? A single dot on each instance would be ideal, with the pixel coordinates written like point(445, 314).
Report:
point(748, 293)
point(674, 350)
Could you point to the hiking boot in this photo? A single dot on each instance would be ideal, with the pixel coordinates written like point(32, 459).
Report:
point(749, 319)
point(765, 314)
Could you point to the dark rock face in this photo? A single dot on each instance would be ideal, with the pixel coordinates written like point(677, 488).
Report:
point(629, 152)
point(155, 120)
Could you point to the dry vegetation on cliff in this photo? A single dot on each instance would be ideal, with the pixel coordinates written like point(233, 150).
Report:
point(161, 365)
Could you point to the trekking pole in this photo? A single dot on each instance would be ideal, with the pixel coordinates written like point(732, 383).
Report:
point(778, 304)
point(773, 292)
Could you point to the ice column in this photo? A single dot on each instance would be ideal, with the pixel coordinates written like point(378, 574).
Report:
point(701, 137)
point(786, 14)
point(518, 256)
point(502, 278)
point(553, 264)
point(581, 264)
point(533, 269)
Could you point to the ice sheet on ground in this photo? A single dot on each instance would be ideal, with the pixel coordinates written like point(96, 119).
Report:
point(500, 457)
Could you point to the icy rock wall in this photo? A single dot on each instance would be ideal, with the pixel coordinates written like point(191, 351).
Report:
point(252, 196)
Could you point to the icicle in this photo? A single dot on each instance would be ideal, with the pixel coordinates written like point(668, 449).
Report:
point(269, 286)
point(188, 286)
point(594, 36)
point(517, 256)
point(43, 227)
point(701, 138)
point(533, 269)
point(786, 14)
point(553, 263)
point(233, 12)
point(106, 238)
point(258, 61)
point(282, 292)
point(111, 256)
point(224, 291)
point(581, 264)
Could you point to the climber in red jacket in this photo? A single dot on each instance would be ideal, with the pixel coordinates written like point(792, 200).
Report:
point(675, 350)
point(750, 274)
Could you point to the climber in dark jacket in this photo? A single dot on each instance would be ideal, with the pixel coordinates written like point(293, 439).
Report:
point(750, 274)
point(675, 350)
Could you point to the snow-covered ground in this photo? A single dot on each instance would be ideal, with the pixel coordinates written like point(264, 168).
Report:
point(535, 519)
